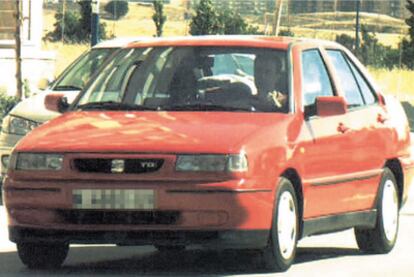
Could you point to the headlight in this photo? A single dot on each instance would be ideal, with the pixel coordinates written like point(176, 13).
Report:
point(17, 125)
point(38, 161)
point(212, 163)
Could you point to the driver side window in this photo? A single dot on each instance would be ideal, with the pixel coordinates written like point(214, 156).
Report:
point(315, 77)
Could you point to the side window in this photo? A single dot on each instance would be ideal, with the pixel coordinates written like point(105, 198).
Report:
point(315, 77)
point(346, 78)
point(366, 91)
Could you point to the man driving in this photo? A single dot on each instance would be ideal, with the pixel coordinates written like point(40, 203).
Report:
point(271, 82)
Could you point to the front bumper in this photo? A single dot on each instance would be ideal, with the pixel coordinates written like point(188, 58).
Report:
point(209, 239)
point(219, 215)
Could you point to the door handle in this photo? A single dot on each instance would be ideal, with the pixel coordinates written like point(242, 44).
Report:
point(342, 128)
point(381, 118)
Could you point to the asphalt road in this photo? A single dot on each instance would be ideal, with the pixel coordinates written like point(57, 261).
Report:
point(324, 255)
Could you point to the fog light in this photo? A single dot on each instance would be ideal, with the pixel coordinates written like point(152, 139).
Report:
point(5, 161)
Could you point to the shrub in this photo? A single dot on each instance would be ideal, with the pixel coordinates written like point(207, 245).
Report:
point(6, 104)
point(346, 41)
point(117, 8)
point(286, 33)
point(371, 52)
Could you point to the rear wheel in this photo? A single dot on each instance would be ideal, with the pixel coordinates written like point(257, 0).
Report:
point(42, 255)
point(281, 250)
point(382, 238)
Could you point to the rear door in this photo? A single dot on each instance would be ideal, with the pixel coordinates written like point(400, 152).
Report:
point(366, 122)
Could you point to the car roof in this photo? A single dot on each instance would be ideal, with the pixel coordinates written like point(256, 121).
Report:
point(118, 42)
point(230, 40)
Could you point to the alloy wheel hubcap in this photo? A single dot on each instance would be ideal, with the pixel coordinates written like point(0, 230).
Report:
point(390, 210)
point(286, 225)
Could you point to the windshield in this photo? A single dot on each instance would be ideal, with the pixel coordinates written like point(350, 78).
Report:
point(191, 78)
point(79, 73)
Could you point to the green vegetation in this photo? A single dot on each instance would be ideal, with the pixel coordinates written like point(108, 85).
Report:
point(408, 44)
point(139, 23)
point(75, 26)
point(158, 17)
point(6, 104)
point(371, 51)
point(209, 21)
point(206, 20)
point(117, 8)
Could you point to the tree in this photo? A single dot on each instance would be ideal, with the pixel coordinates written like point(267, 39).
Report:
point(410, 20)
point(77, 25)
point(85, 17)
point(407, 45)
point(117, 8)
point(158, 17)
point(232, 23)
point(206, 20)
point(71, 28)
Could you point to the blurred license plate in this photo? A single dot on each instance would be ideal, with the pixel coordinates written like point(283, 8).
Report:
point(136, 199)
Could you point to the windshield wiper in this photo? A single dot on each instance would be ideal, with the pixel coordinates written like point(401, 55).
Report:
point(67, 87)
point(114, 106)
point(205, 107)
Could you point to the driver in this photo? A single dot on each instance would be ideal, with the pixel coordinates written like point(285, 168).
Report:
point(271, 82)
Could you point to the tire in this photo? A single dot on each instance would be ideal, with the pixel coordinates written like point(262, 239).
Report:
point(42, 255)
point(281, 250)
point(382, 238)
point(170, 248)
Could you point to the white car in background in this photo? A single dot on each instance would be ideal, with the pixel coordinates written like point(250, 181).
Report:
point(31, 112)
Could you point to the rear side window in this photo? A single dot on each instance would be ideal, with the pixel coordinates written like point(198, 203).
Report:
point(366, 91)
point(315, 77)
point(346, 78)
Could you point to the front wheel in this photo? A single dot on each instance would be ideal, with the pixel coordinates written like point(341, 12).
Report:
point(42, 255)
point(281, 250)
point(382, 238)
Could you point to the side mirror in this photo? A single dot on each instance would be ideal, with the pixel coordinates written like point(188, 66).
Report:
point(56, 102)
point(330, 105)
point(43, 84)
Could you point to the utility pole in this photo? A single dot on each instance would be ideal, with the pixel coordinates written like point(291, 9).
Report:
point(357, 25)
point(277, 16)
point(18, 48)
point(95, 22)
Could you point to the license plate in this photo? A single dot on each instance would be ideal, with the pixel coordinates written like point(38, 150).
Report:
point(122, 199)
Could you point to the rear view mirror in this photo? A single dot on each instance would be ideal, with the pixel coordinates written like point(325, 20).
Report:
point(330, 105)
point(56, 102)
point(43, 84)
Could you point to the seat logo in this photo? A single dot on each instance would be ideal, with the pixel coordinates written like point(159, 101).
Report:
point(117, 166)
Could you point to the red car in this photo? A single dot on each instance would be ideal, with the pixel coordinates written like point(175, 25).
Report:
point(230, 142)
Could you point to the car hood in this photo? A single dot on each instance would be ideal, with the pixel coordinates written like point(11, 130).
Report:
point(33, 108)
point(155, 132)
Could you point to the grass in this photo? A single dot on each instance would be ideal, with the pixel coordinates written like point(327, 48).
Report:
point(396, 82)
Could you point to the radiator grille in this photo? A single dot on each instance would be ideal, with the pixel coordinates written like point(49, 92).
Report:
point(108, 166)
